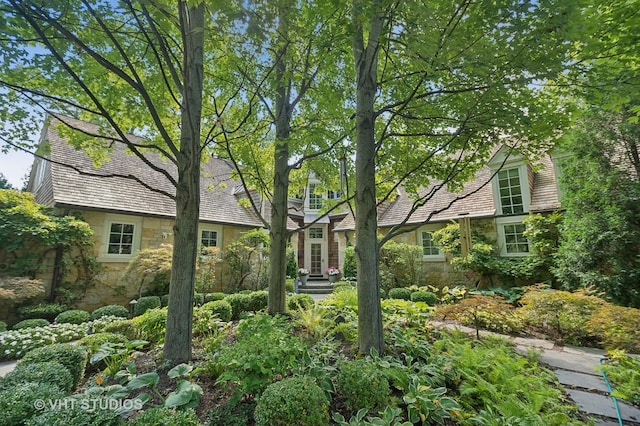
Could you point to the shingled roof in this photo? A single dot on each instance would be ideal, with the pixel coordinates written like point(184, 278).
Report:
point(66, 187)
point(476, 200)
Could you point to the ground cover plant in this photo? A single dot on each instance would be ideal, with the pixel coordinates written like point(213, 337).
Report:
point(267, 370)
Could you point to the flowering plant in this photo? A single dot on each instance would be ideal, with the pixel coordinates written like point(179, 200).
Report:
point(302, 272)
point(331, 270)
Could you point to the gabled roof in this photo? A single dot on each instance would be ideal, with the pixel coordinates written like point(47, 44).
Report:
point(65, 187)
point(476, 200)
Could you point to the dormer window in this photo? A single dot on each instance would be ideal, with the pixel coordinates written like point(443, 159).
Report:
point(315, 199)
point(510, 191)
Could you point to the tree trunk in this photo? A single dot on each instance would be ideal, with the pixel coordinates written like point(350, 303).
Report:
point(279, 204)
point(177, 346)
point(367, 253)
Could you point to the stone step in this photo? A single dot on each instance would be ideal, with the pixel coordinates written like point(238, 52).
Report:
point(312, 290)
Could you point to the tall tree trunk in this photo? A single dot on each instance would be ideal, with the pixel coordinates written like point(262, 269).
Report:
point(177, 346)
point(367, 253)
point(279, 204)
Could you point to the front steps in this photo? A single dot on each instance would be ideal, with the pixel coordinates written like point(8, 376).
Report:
point(316, 285)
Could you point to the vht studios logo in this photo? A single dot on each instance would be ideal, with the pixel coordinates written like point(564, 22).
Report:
point(88, 404)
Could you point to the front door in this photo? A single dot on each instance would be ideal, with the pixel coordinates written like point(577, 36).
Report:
point(315, 258)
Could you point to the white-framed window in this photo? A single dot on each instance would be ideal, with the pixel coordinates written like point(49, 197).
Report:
point(40, 166)
point(209, 236)
point(510, 191)
point(121, 238)
point(315, 199)
point(512, 241)
point(316, 233)
point(430, 251)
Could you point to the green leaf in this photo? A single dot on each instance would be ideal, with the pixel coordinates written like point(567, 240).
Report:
point(179, 370)
point(143, 380)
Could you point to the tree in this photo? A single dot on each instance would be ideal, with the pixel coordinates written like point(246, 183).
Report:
point(127, 66)
point(438, 87)
point(4, 183)
point(600, 231)
point(283, 57)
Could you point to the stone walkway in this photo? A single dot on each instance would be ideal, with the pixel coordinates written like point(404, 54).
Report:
point(578, 370)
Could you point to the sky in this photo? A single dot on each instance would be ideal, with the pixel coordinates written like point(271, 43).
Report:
point(14, 165)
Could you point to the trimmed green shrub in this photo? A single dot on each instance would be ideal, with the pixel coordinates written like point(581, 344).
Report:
point(48, 311)
point(114, 310)
point(400, 293)
point(221, 308)
point(121, 326)
point(210, 297)
point(160, 416)
point(300, 301)
point(51, 372)
point(295, 400)
point(164, 301)
point(343, 285)
point(144, 304)
point(258, 300)
point(77, 416)
point(151, 325)
point(383, 293)
point(239, 303)
point(3, 326)
point(17, 402)
point(289, 284)
point(31, 323)
point(427, 297)
point(73, 316)
point(198, 299)
point(363, 385)
point(74, 358)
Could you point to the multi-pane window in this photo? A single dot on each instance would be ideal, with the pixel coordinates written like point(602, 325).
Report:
point(429, 248)
point(315, 233)
point(315, 200)
point(121, 238)
point(515, 241)
point(510, 191)
point(209, 238)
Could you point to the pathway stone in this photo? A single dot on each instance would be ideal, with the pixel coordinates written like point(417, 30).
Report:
point(600, 405)
point(6, 367)
point(585, 381)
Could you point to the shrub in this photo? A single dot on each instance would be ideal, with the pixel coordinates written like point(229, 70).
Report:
point(427, 297)
point(617, 327)
point(350, 267)
point(264, 348)
point(221, 308)
point(210, 297)
point(74, 358)
point(400, 293)
point(258, 300)
point(15, 343)
point(152, 324)
point(400, 265)
point(362, 385)
point(51, 372)
point(343, 285)
point(121, 326)
point(110, 310)
point(164, 301)
point(74, 316)
point(198, 299)
point(93, 341)
point(48, 311)
point(559, 313)
point(289, 284)
point(295, 400)
point(17, 403)
point(150, 269)
point(77, 416)
point(300, 301)
point(624, 372)
point(239, 303)
point(30, 323)
point(15, 290)
point(491, 313)
point(3, 326)
point(160, 416)
point(144, 304)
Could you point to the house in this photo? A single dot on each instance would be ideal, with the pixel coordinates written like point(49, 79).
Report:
point(125, 215)
point(502, 194)
point(128, 216)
